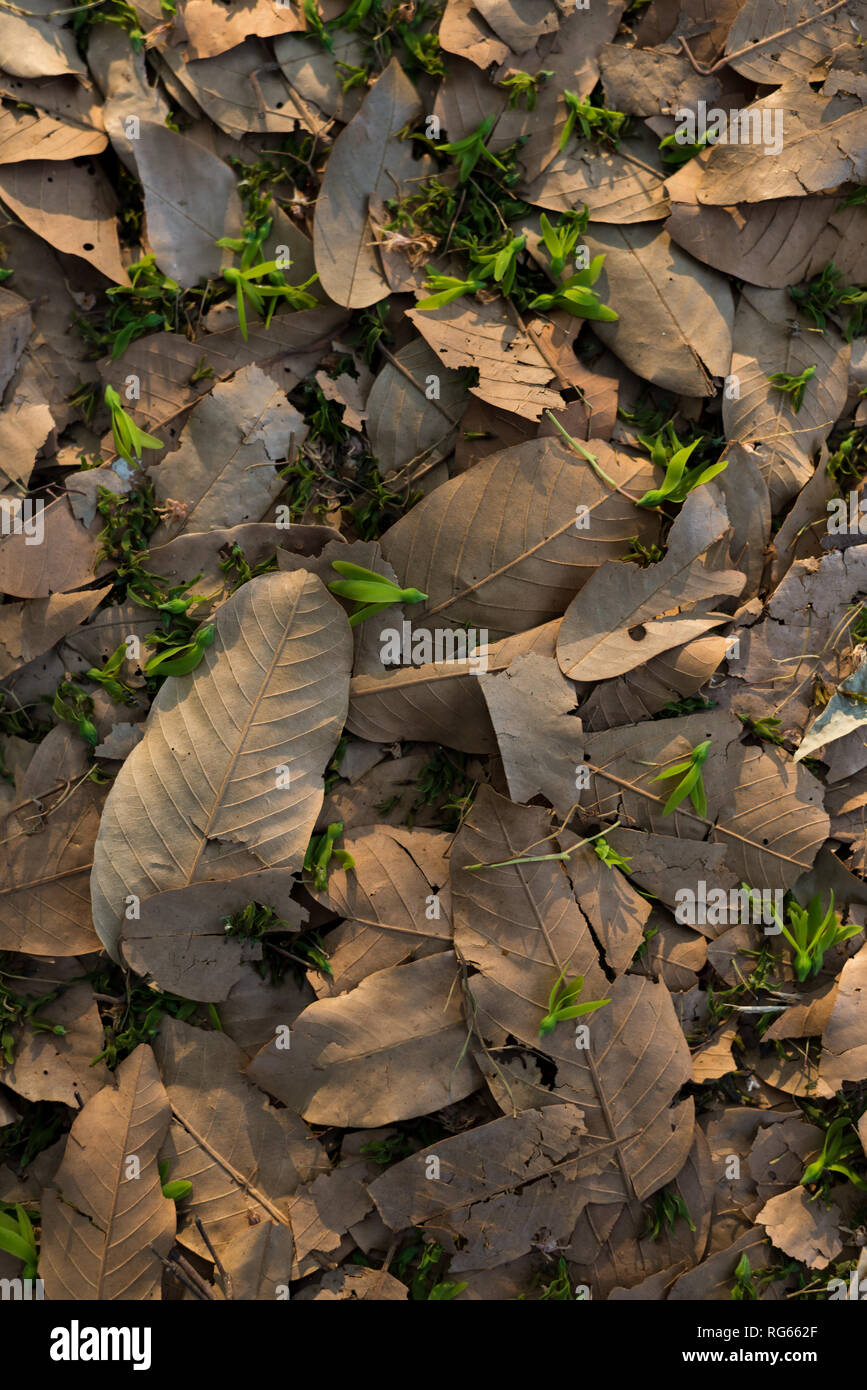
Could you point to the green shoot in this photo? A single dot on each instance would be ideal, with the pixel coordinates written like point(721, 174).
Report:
point(500, 265)
point(447, 287)
point(560, 241)
point(524, 86)
point(811, 932)
point(471, 149)
point(561, 1005)
point(21, 1010)
point(679, 481)
point(74, 706)
point(175, 1190)
point(179, 661)
point(824, 295)
point(261, 282)
point(321, 851)
point(576, 297)
point(129, 440)
point(594, 122)
point(794, 386)
point(372, 590)
point(690, 784)
point(610, 857)
point(18, 1239)
point(837, 1148)
point(665, 1210)
point(676, 154)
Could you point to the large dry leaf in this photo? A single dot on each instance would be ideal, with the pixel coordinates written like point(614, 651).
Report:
point(500, 1190)
point(225, 471)
point(200, 796)
point(190, 201)
point(413, 410)
point(313, 72)
point(71, 205)
point(35, 135)
point(772, 40)
point(770, 337)
point(31, 47)
point(844, 1041)
point(105, 1225)
point(243, 1157)
point(822, 143)
point(28, 629)
point(646, 690)
point(764, 812)
point(533, 708)
point(498, 547)
point(241, 90)
point(464, 31)
point(777, 243)
point(212, 29)
point(513, 370)
point(675, 316)
point(58, 1066)
point(625, 615)
point(389, 1050)
point(16, 324)
point(367, 162)
point(808, 1231)
point(622, 185)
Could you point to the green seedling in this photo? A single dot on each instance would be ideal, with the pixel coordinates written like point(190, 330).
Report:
point(468, 151)
point(74, 706)
point(145, 303)
point(610, 857)
point(314, 27)
point(175, 1190)
point(129, 440)
point(766, 728)
point(321, 851)
point(560, 241)
point(794, 386)
point(576, 297)
point(106, 676)
point(524, 87)
point(261, 282)
point(675, 154)
point(679, 481)
point(370, 589)
point(810, 932)
point(690, 784)
point(500, 265)
point(447, 288)
point(594, 122)
point(824, 295)
point(836, 1149)
point(21, 1011)
point(540, 858)
point(179, 661)
point(666, 1209)
point(18, 1238)
point(561, 1005)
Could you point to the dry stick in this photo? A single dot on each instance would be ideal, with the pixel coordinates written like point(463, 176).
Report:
point(225, 1276)
point(389, 1256)
point(244, 1183)
point(186, 1275)
point(751, 47)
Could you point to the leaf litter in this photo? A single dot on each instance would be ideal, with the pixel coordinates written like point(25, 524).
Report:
point(432, 757)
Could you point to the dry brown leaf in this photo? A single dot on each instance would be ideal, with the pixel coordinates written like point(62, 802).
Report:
point(71, 205)
point(386, 1051)
point(533, 712)
point(191, 802)
point(105, 1223)
point(844, 1041)
point(413, 410)
point(806, 1230)
point(212, 29)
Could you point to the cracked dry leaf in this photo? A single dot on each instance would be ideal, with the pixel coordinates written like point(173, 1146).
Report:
point(102, 1222)
point(533, 711)
point(498, 1190)
point(190, 201)
point(806, 1230)
point(192, 802)
point(498, 548)
point(763, 344)
point(624, 615)
point(675, 315)
point(844, 1041)
point(368, 162)
point(243, 1157)
point(786, 38)
point(764, 813)
point(644, 691)
point(390, 1049)
point(225, 468)
point(407, 428)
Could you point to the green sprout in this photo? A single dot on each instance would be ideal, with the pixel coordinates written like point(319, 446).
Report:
point(679, 481)
point(524, 86)
point(674, 153)
point(560, 241)
point(824, 295)
point(175, 1190)
point(471, 149)
point(576, 297)
point(18, 1238)
point(129, 440)
point(74, 706)
point(838, 1147)
point(667, 1207)
point(106, 676)
point(690, 784)
point(179, 661)
point(261, 282)
point(372, 590)
point(447, 287)
point(610, 857)
point(321, 851)
point(810, 932)
point(595, 122)
point(561, 1003)
point(794, 386)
